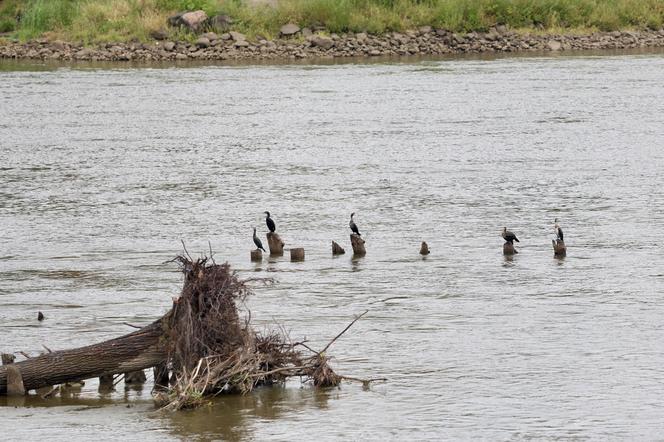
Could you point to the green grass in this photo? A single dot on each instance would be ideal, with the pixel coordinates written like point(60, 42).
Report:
point(120, 20)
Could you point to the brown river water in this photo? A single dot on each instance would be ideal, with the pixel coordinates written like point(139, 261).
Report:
point(104, 169)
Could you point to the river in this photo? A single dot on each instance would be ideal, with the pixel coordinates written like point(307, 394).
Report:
point(105, 169)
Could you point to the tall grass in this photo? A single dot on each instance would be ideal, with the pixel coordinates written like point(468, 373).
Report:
point(113, 20)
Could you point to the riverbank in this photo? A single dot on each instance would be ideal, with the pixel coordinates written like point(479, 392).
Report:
point(305, 44)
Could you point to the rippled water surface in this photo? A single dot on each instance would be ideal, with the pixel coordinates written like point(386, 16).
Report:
point(104, 171)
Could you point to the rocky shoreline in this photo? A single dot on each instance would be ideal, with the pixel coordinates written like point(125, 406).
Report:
point(304, 43)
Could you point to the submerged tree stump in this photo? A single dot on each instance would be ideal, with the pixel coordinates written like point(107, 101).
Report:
point(297, 254)
point(15, 386)
point(424, 249)
point(508, 249)
point(275, 244)
point(559, 248)
point(358, 244)
point(337, 249)
point(257, 255)
point(106, 382)
point(135, 377)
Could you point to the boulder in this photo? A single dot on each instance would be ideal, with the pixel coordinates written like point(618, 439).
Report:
point(202, 42)
point(194, 20)
point(236, 36)
point(210, 36)
point(159, 34)
point(220, 23)
point(169, 46)
point(554, 45)
point(362, 36)
point(306, 32)
point(289, 29)
point(322, 41)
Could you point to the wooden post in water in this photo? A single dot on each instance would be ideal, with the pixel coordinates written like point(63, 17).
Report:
point(257, 255)
point(15, 385)
point(424, 249)
point(508, 249)
point(297, 254)
point(275, 244)
point(358, 245)
point(559, 248)
point(135, 377)
point(337, 249)
point(105, 383)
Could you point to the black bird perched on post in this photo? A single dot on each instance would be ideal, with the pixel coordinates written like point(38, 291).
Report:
point(270, 222)
point(259, 244)
point(559, 231)
point(509, 236)
point(353, 226)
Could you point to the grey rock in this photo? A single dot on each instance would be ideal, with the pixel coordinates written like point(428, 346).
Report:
point(194, 20)
point(554, 45)
point(289, 29)
point(321, 41)
point(225, 36)
point(374, 52)
point(210, 36)
point(220, 23)
point(425, 29)
point(202, 42)
point(306, 32)
point(159, 34)
point(180, 57)
point(236, 36)
point(169, 46)
point(241, 43)
point(361, 37)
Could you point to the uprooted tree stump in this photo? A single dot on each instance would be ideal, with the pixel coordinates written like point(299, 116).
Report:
point(508, 249)
point(424, 249)
point(337, 249)
point(209, 347)
point(275, 244)
point(357, 243)
point(297, 254)
point(559, 248)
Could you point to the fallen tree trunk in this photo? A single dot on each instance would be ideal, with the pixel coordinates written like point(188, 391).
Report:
point(136, 351)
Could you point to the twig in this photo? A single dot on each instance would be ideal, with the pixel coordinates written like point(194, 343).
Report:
point(121, 377)
point(211, 254)
point(131, 325)
point(47, 349)
point(364, 381)
point(185, 251)
point(342, 332)
point(49, 393)
point(24, 354)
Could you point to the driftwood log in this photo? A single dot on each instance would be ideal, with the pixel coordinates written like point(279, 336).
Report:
point(275, 244)
point(508, 249)
point(358, 244)
point(559, 248)
point(297, 254)
point(424, 249)
point(337, 249)
point(135, 351)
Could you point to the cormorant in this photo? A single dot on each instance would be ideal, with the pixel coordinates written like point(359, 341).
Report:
point(270, 222)
point(259, 244)
point(509, 236)
point(40, 316)
point(559, 231)
point(353, 226)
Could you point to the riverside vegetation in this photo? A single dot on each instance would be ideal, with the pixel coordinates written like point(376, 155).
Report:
point(236, 29)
